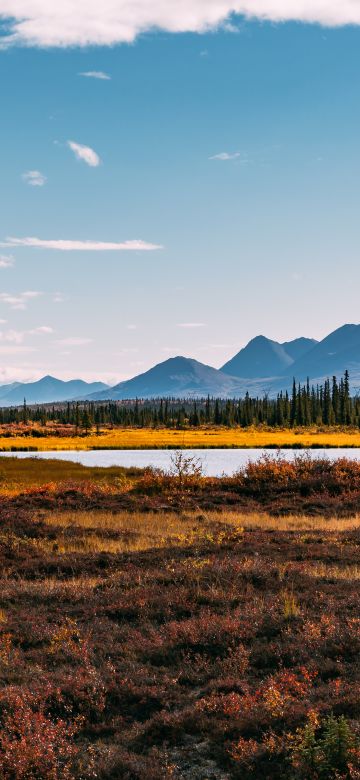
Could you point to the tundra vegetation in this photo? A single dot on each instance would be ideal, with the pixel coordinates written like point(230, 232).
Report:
point(169, 625)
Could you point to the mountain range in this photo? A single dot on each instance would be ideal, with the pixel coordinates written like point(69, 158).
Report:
point(265, 358)
point(262, 366)
point(47, 390)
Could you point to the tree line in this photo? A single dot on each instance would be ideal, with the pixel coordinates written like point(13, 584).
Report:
point(327, 404)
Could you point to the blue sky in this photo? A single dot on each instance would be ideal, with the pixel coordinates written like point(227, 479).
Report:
point(236, 151)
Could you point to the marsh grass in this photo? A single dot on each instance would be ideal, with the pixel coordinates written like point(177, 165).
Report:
point(18, 474)
point(119, 532)
point(125, 532)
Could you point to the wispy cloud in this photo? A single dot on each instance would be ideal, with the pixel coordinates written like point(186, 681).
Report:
point(191, 325)
point(6, 261)
point(19, 300)
point(65, 245)
point(31, 294)
point(225, 156)
point(85, 153)
point(86, 22)
point(74, 341)
point(41, 330)
point(34, 178)
point(96, 74)
point(15, 350)
point(12, 336)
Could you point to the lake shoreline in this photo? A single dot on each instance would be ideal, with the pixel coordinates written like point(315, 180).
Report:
point(173, 447)
point(205, 438)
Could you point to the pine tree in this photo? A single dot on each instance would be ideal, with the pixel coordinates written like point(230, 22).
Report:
point(207, 409)
point(86, 421)
point(25, 413)
point(217, 413)
point(293, 419)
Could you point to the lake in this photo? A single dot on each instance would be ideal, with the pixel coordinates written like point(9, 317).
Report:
point(215, 462)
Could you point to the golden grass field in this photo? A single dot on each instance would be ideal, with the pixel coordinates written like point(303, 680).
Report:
point(137, 531)
point(202, 438)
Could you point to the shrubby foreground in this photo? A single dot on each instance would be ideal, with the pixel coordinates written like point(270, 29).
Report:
point(146, 634)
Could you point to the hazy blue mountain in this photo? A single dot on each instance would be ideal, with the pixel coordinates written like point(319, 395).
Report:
point(5, 389)
point(177, 376)
point(298, 347)
point(260, 358)
point(48, 390)
point(333, 355)
point(263, 366)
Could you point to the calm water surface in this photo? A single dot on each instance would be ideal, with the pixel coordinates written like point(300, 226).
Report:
point(214, 462)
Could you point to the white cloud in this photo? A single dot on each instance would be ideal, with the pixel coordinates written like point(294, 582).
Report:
point(20, 300)
point(15, 302)
point(12, 336)
point(85, 153)
point(96, 74)
point(6, 261)
point(74, 341)
point(225, 156)
point(83, 22)
point(81, 246)
point(31, 294)
point(42, 329)
point(34, 178)
point(191, 325)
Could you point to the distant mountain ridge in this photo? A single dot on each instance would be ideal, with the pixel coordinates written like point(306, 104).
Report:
point(340, 350)
point(262, 366)
point(263, 357)
point(174, 377)
point(47, 390)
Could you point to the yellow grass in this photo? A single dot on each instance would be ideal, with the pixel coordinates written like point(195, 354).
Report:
point(149, 438)
point(326, 571)
point(73, 589)
point(139, 531)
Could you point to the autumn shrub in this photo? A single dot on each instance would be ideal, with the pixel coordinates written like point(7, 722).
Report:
point(32, 746)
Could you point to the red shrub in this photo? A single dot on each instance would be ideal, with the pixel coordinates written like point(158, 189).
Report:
point(32, 746)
